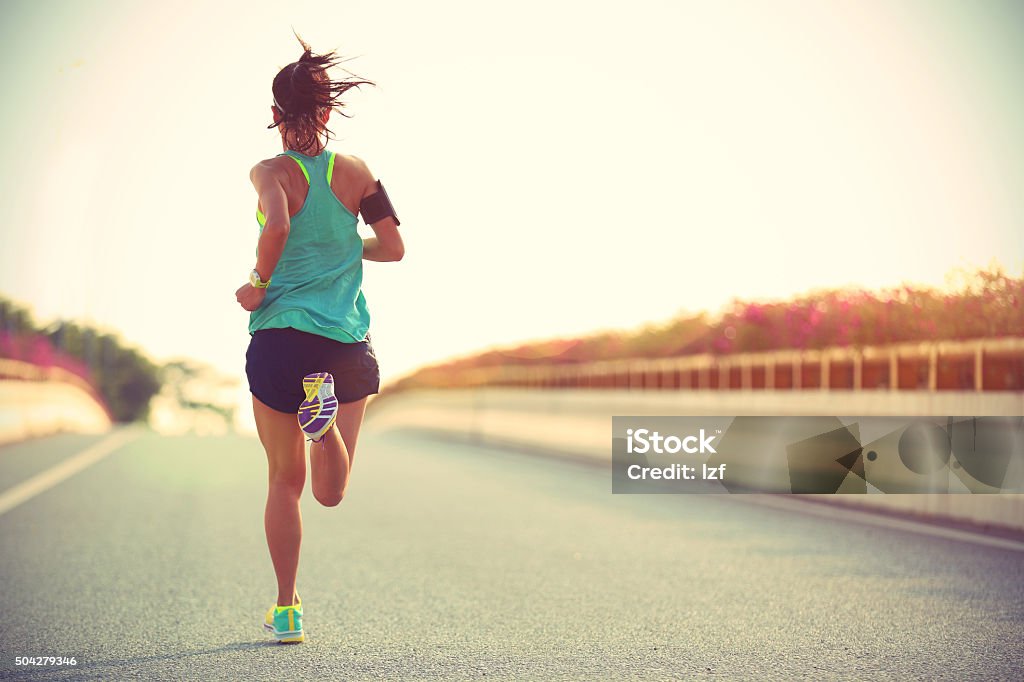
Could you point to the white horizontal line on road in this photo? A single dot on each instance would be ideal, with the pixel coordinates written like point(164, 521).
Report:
point(42, 482)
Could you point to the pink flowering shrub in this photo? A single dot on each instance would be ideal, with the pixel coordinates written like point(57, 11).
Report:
point(987, 303)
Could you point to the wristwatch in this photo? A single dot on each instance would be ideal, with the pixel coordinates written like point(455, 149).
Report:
point(254, 279)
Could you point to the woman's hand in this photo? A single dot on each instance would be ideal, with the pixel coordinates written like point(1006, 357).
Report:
point(249, 297)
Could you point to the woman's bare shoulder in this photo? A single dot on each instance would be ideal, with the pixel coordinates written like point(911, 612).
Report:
point(354, 168)
point(351, 162)
point(273, 165)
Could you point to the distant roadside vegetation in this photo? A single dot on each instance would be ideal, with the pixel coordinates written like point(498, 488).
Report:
point(122, 376)
point(981, 304)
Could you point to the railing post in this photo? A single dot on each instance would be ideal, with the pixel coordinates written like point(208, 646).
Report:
point(894, 370)
point(933, 368)
point(979, 374)
point(858, 370)
point(825, 367)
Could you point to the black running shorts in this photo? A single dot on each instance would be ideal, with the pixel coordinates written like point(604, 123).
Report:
point(277, 360)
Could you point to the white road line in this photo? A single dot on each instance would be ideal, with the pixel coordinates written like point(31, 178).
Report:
point(863, 516)
point(42, 482)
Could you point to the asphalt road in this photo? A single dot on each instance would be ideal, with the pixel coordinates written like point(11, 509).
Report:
point(451, 561)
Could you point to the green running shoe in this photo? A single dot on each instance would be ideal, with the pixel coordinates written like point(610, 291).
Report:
point(285, 622)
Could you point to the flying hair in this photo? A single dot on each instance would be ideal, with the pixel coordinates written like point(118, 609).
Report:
point(303, 90)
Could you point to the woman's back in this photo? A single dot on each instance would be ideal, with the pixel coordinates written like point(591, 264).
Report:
point(350, 182)
point(317, 285)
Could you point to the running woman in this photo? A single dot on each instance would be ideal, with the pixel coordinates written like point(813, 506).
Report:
point(310, 364)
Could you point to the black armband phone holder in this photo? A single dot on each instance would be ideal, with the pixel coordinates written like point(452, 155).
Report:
point(377, 206)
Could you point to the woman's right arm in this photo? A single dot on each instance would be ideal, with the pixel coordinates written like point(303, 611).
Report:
point(274, 201)
point(273, 236)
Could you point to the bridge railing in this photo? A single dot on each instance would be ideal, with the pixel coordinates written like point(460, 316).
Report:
point(38, 401)
point(20, 370)
point(988, 364)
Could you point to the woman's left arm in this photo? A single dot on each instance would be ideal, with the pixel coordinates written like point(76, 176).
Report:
point(274, 201)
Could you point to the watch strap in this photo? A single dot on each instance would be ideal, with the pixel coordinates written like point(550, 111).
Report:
point(254, 279)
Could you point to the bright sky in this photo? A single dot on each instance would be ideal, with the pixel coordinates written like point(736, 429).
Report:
point(559, 167)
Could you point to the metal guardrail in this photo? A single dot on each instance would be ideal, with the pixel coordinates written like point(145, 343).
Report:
point(989, 364)
point(26, 371)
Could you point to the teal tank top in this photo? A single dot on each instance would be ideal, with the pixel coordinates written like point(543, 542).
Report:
point(317, 285)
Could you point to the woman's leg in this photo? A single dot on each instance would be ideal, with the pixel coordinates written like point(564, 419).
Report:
point(286, 456)
point(330, 459)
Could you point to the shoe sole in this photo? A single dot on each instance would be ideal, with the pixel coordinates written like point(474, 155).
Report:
point(312, 410)
point(292, 637)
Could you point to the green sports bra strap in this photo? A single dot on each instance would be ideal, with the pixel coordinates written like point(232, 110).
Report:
point(302, 166)
point(330, 169)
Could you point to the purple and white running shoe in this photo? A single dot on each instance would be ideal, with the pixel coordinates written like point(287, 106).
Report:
point(320, 408)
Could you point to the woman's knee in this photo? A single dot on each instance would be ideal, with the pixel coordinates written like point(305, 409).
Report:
point(329, 499)
point(290, 479)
